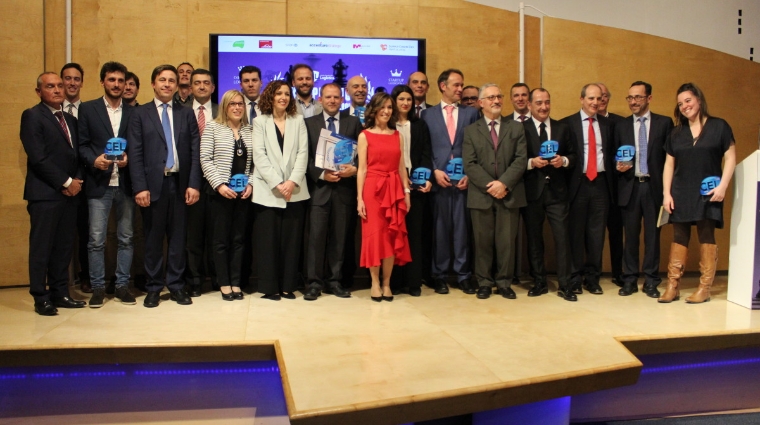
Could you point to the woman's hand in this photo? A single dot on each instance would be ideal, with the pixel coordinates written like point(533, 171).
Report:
point(247, 192)
point(226, 192)
point(718, 194)
point(361, 209)
point(667, 203)
point(426, 188)
point(286, 189)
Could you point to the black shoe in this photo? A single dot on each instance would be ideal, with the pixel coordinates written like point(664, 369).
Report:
point(68, 302)
point(577, 289)
point(594, 288)
point(567, 293)
point(45, 308)
point(288, 295)
point(337, 290)
point(111, 286)
point(273, 297)
point(618, 280)
point(651, 291)
point(387, 298)
point(628, 288)
point(484, 292)
point(312, 293)
point(85, 286)
point(195, 291)
point(124, 295)
point(539, 288)
point(151, 300)
point(98, 295)
point(415, 292)
point(397, 291)
point(227, 297)
point(507, 293)
point(466, 287)
point(180, 297)
point(376, 299)
point(238, 295)
point(441, 287)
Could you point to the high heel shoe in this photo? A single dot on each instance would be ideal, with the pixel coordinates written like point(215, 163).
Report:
point(387, 298)
point(228, 296)
point(238, 295)
point(376, 299)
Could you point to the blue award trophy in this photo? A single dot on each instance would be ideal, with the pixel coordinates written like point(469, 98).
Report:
point(548, 149)
point(115, 148)
point(708, 184)
point(455, 170)
point(359, 113)
point(420, 176)
point(343, 152)
point(238, 183)
point(625, 154)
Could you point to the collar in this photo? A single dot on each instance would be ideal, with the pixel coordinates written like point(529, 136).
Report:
point(206, 106)
point(585, 116)
point(648, 116)
point(444, 105)
point(76, 104)
point(53, 110)
point(311, 102)
point(108, 105)
point(538, 123)
point(158, 103)
point(325, 116)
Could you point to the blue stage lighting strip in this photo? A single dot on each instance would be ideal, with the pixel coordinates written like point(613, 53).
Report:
point(723, 363)
point(117, 371)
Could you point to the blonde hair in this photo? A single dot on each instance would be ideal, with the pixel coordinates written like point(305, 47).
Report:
point(221, 117)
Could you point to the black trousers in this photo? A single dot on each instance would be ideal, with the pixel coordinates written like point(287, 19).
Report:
point(199, 251)
point(640, 207)
point(278, 235)
point(51, 245)
point(588, 217)
point(548, 207)
point(419, 227)
point(230, 218)
point(329, 231)
point(615, 238)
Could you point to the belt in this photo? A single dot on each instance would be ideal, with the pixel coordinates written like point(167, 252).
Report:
point(643, 179)
point(170, 173)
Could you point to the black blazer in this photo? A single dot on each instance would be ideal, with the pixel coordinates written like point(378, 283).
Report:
point(50, 160)
point(608, 150)
point(659, 131)
point(94, 131)
point(147, 150)
point(420, 150)
point(322, 190)
point(558, 178)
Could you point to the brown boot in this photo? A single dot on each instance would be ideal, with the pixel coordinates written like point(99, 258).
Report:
point(676, 264)
point(708, 260)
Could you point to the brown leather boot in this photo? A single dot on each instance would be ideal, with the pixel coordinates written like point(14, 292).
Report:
point(676, 264)
point(708, 260)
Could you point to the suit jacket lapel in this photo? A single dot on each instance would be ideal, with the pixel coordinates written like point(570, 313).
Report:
point(534, 137)
point(178, 123)
point(502, 130)
point(272, 145)
point(46, 112)
point(578, 128)
point(153, 116)
point(289, 142)
point(485, 131)
point(100, 109)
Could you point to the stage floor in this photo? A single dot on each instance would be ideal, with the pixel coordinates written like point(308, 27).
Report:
point(357, 361)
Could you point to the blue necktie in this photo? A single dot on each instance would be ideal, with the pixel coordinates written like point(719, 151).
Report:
point(168, 135)
point(331, 124)
point(253, 113)
point(643, 166)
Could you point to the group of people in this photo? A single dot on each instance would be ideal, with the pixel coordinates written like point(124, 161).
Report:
point(225, 180)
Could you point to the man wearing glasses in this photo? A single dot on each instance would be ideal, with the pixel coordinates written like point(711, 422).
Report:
point(470, 98)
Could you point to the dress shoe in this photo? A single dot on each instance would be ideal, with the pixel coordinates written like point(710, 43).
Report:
point(567, 293)
point(124, 295)
point(628, 288)
point(86, 287)
point(98, 295)
point(441, 287)
point(288, 295)
point(68, 302)
point(467, 287)
point(227, 297)
point(180, 296)
point(507, 293)
point(152, 299)
point(618, 280)
point(539, 288)
point(238, 295)
point(45, 308)
point(651, 291)
point(415, 292)
point(385, 298)
point(577, 289)
point(195, 291)
point(312, 293)
point(273, 297)
point(337, 290)
point(594, 288)
point(484, 292)
point(376, 299)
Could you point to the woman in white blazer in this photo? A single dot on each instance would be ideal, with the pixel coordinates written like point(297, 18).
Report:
point(226, 160)
point(280, 155)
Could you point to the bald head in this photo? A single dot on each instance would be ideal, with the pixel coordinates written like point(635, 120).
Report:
point(357, 90)
point(418, 82)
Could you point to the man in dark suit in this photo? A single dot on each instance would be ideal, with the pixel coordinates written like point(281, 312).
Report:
point(418, 82)
point(592, 186)
point(333, 201)
point(53, 179)
point(446, 122)
point(166, 177)
point(199, 220)
point(108, 183)
point(640, 187)
point(546, 186)
point(495, 157)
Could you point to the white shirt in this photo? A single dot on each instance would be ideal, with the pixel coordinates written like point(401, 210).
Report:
point(114, 115)
point(422, 106)
point(248, 105)
point(598, 134)
point(405, 130)
point(548, 123)
point(169, 110)
point(207, 111)
point(527, 116)
point(74, 107)
point(636, 126)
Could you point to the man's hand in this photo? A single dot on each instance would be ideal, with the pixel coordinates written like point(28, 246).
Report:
point(142, 198)
point(192, 196)
point(123, 162)
point(347, 170)
point(538, 162)
point(332, 176)
point(496, 189)
point(442, 178)
point(557, 161)
point(102, 163)
point(622, 168)
point(426, 188)
point(462, 185)
point(74, 188)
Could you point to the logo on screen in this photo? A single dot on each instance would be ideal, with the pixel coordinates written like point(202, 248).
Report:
point(357, 46)
point(316, 75)
point(239, 43)
point(384, 47)
point(265, 44)
point(396, 73)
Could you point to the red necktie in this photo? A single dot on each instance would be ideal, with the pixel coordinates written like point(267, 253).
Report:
point(591, 166)
point(62, 122)
point(201, 120)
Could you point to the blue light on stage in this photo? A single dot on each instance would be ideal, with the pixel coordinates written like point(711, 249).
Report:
point(125, 370)
point(701, 365)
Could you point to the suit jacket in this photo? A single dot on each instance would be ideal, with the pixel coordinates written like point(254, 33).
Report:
point(536, 179)
point(441, 145)
point(94, 131)
point(608, 150)
point(322, 190)
point(273, 166)
point(420, 150)
point(483, 165)
point(50, 160)
point(659, 131)
point(218, 152)
point(147, 149)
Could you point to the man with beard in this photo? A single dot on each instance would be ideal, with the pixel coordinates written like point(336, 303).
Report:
point(131, 89)
point(302, 79)
point(357, 91)
point(184, 95)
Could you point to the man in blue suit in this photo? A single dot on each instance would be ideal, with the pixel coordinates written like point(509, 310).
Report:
point(166, 177)
point(446, 122)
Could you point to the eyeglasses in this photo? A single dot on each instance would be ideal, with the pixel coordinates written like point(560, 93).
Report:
point(637, 98)
point(238, 104)
point(470, 99)
point(493, 97)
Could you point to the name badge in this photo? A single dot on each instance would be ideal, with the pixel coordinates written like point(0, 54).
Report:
point(115, 148)
point(455, 169)
point(238, 182)
point(548, 149)
point(708, 184)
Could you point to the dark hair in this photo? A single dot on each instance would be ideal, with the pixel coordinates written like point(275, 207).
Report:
point(247, 70)
point(186, 63)
point(444, 77)
point(161, 68)
point(403, 88)
point(132, 76)
point(375, 104)
point(469, 87)
point(74, 65)
point(541, 89)
point(110, 67)
point(201, 71)
point(647, 87)
point(322, 89)
point(266, 101)
point(516, 85)
point(298, 66)
point(703, 112)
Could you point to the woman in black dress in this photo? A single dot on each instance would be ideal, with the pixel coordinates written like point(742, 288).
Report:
point(695, 150)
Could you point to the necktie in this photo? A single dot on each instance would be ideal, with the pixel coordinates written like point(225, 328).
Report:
point(591, 166)
point(419, 111)
point(70, 108)
point(168, 135)
point(643, 166)
point(201, 120)
point(331, 124)
point(495, 141)
point(522, 118)
point(450, 127)
point(253, 112)
point(62, 122)
point(543, 135)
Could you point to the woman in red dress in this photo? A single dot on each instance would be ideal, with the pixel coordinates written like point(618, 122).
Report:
point(382, 195)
